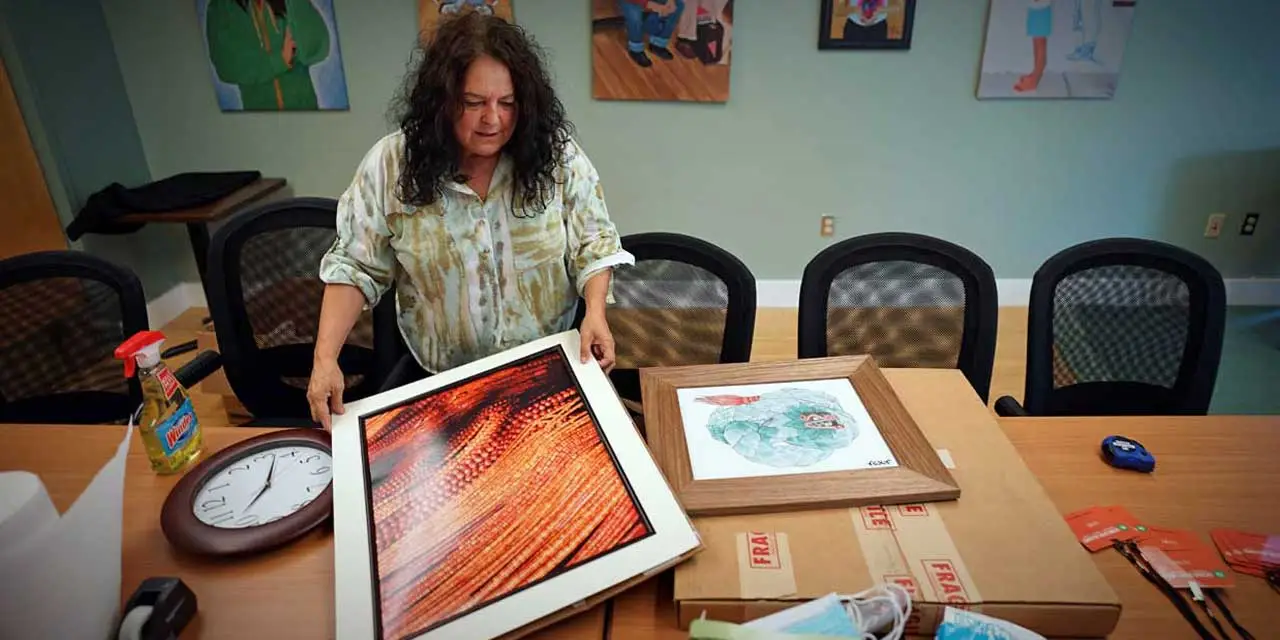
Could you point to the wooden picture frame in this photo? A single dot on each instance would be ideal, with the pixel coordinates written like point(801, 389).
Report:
point(439, 481)
point(900, 22)
point(919, 477)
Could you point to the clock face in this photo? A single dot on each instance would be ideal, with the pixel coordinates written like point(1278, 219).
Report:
point(263, 485)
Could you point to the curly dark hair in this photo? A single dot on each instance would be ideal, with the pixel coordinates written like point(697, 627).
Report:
point(432, 98)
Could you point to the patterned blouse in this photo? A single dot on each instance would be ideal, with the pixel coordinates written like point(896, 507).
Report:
point(473, 277)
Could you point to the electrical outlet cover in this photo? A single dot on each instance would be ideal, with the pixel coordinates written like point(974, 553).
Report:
point(1213, 228)
point(1250, 224)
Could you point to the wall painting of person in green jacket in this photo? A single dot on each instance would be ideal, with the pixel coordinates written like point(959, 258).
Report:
point(273, 55)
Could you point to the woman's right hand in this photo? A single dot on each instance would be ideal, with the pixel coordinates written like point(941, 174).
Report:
point(324, 392)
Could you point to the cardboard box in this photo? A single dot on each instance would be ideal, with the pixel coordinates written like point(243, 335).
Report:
point(1001, 549)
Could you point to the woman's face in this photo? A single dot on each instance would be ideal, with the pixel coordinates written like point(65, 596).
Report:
point(488, 114)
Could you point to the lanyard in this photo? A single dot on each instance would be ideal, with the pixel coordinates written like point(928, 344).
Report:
point(1131, 553)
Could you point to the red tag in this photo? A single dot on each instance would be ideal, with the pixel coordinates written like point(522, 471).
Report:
point(1170, 539)
point(1181, 566)
point(1250, 553)
point(1096, 527)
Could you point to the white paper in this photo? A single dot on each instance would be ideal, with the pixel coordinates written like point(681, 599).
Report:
point(672, 536)
point(64, 580)
point(775, 429)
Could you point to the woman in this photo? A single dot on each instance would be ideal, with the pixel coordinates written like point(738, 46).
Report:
point(267, 49)
point(481, 209)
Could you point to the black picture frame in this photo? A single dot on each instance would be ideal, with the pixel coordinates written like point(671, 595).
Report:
point(826, 42)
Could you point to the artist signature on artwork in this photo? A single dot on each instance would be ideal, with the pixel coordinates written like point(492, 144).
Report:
point(880, 463)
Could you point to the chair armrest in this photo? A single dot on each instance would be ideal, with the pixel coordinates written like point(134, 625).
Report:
point(200, 367)
point(404, 372)
point(1007, 407)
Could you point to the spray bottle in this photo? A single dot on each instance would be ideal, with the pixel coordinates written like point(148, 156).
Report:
point(170, 433)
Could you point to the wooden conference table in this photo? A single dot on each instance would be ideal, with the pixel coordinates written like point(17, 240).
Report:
point(1215, 471)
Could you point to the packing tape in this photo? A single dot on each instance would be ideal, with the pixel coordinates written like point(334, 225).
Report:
point(765, 569)
point(909, 545)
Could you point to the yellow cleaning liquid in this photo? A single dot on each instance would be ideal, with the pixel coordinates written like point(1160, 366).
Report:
point(168, 426)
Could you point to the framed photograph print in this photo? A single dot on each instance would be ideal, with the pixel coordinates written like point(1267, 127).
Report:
point(866, 24)
point(807, 434)
point(493, 499)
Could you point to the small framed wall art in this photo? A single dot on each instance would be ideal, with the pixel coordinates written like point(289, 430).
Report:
point(866, 24)
point(808, 434)
point(493, 499)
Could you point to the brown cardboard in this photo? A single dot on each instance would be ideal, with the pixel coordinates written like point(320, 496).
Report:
point(1001, 549)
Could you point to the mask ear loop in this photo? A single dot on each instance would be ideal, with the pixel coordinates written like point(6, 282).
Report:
point(898, 601)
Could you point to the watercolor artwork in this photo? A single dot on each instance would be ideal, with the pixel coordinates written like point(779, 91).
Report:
point(808, 426)
point(1055, 48)
point(484, 488)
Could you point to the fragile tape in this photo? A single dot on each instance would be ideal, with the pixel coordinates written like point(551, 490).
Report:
point(909, 545)
point(765, 569)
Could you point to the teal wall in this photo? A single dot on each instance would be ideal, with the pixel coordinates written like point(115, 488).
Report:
point(73, 99)
point(882, 140)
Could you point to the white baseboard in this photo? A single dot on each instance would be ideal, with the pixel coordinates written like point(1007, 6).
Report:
point(1253, 292)
point(173, 302)
point(1016, 292)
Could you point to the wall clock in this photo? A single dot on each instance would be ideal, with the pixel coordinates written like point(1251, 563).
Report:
point(252, 496)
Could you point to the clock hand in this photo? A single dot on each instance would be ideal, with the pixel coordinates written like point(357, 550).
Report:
point(265, 485)
point(255, 498)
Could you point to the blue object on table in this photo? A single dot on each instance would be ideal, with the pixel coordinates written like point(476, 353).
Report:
point(1127, 453)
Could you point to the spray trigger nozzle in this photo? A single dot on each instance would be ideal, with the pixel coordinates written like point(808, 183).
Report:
point(143, 349)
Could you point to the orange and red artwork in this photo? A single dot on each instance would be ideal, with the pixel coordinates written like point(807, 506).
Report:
point(486, 487)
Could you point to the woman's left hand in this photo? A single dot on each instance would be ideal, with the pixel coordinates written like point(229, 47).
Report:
point(597, 340)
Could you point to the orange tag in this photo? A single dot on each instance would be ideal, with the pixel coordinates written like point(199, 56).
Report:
point(1096, 527)
point(1181, 566)
point(1170, 539)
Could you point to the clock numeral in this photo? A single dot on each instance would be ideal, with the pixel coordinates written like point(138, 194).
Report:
point(248, 520)
point(317, 487)
point(320, 471)
point(291, 454)
point(211, 504)
point(239, 467)
point(263, 456)
point(309, 459)
point(219, 487)
point(219, 519)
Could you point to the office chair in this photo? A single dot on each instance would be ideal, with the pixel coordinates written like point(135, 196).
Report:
point(908, 300)
point(684, 302)
point(264, 295)
point(1122, 327)
point(63, 314)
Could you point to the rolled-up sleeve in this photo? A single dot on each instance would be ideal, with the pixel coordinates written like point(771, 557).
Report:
point(594, 244)
point(361, 255)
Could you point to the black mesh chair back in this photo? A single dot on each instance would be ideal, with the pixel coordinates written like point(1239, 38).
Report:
point(265, 294)
point(907, 300)
point(1124, 327)
point(63, 314)
point(684, 302)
